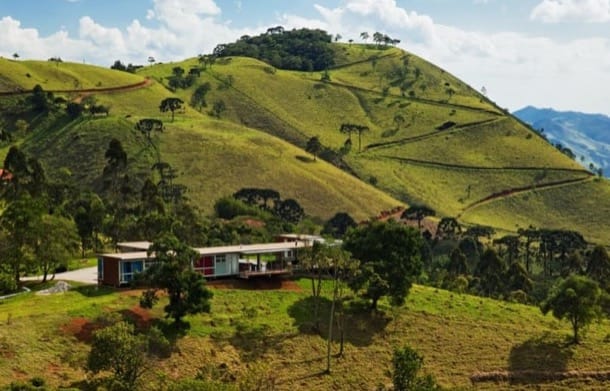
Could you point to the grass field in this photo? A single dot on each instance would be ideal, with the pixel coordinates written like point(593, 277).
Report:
point(459, 335)
point(563, 207)
point(51, 75)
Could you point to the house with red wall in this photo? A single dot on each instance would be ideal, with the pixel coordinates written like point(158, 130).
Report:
point(242, 261)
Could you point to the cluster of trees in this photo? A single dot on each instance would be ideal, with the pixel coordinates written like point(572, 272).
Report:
point(302, 49)
point(349, 128)
point(264, 200)
point(36, 232)
point(380, 39)
point(87, 105)
point(181, 79)
point(119, 66)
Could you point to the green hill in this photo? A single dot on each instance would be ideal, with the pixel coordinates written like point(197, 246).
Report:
point(464, 339)
point(431, 139)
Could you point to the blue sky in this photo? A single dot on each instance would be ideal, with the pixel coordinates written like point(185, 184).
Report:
point(547, 53)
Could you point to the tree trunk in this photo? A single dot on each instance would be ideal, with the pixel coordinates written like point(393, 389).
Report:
point(575, 328)
point(374, 303)
point(330, 328)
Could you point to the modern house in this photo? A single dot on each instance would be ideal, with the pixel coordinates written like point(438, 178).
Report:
point(243, 261)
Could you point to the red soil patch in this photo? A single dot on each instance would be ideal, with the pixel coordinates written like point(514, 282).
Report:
point(139, 316)
point(81, 328)
point(256, 284)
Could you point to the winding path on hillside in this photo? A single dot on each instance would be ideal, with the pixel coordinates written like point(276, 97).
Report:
point(526, 189)
point(481, 168)
point(435, 133)
point(104, 90)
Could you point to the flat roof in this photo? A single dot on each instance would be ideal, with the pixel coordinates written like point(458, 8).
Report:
point(144, 245)
point(246, 249)
point(128, 256)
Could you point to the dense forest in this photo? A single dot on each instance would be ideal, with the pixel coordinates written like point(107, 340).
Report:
point(301, 50)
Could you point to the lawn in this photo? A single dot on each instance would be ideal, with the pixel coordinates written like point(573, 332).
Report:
point(459, 336)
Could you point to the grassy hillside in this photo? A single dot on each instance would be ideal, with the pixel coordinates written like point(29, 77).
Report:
point(432, 139)
point(53, 75)
point(451, 148)
point(264, 333)
point(214, 158)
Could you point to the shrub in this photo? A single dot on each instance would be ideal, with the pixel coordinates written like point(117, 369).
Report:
point(229, 208)
point(7, 284)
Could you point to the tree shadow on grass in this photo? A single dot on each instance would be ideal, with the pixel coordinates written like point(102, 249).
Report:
point(94, 290)
point(304, 159)
point(254, 340)
point(539, 359)
point(360, 325)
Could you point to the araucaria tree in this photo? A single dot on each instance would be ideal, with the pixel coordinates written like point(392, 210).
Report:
point(314, 146)
point(173, 273)
point(171, 104)
point(577, 299)
point(390, 257)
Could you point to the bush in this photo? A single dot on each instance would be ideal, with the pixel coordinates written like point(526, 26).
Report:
point(229, 208)
point(61, 269)
point(406, 363)
point(7, 284)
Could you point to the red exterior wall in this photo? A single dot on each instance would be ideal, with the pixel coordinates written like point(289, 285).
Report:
point(111, 271)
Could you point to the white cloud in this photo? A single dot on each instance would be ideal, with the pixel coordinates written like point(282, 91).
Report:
point(554, 11)
point(517, 69)
point(185, 29)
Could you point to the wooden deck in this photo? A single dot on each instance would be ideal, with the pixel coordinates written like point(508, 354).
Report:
point(266, 273)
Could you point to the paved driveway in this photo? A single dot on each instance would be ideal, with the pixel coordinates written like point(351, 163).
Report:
point(87, 276)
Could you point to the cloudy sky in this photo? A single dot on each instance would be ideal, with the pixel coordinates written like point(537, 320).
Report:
point(547, 53)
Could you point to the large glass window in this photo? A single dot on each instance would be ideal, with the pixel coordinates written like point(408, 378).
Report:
point(129, 269)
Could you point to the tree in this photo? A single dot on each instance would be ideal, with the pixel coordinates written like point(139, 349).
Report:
point(74, 110)
point(598, 266)
point(171, 104)
point(338, 225)
point(15, 55)
point(418, 213)
point(390, 255)
point(457, 263)
point(116, 165)
point(119, 350)
point(490, 270)
point(313, 260)
point(39, 99)
point(198, 97)
point(56, 240)
point(365, 36)
point(151, 60)
point(448, 228)
point(173, 273)
point(314, 146)
point(289, 210)
point(148, 125)
point(361, 129)
point(406, 364)
point(218, 108)
point(18, 227)
point(119, 66)
point(399, 120)
point(577, 299)
point(342, 268)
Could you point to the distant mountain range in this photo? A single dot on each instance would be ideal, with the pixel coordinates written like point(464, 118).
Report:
point(587, 135)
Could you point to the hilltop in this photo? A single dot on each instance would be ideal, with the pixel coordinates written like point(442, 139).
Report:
point(430, 139)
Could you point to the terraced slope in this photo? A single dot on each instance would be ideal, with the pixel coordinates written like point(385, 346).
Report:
point(432, 139)
point(214, 158)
